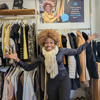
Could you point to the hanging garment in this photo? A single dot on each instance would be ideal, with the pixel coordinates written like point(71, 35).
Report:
point(15, 35)
point(82, 56)
point(91, 61)
point(16, 82)
point(62, 8)
point(26, 33)
point(77, 56)
point(42, 69)
point(75, 83)
point(71, 62)
point(24, 86)
point(61, 46)
point(1, 84)
point(1, 51)
point(64, 43)
point(38, 87)
point(25, 56)
point(86, 71)
point(6, 38)
point(9, 82)
point(58, 9)
point(12, 89)
point(36, 78)
point(30, 94)
point(32, 42)
point(20, 88)
point(94, 47)
point(11, 49)
point(21, 44)
point(3, 36)
point(19, 41)
point(98, 51)
point(5, 90)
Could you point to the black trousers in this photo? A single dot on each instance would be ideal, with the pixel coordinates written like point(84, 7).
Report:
point(59, 87)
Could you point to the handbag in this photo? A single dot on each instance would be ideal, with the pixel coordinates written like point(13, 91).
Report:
point(17, 4)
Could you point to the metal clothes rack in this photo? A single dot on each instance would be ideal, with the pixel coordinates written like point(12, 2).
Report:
point(4, 18)
point(12, 18)
point(69, 29)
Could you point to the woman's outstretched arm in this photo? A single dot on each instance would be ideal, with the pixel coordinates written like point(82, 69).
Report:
point(27, 67)
point(69, 52)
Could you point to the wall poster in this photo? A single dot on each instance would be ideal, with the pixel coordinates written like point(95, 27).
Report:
point(62, 12)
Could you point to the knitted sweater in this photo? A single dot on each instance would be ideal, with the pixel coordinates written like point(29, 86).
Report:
point(71, 62)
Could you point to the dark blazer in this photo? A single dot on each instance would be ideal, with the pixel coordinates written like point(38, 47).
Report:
point(75, 83)
point(91, 60)
point(77, 56)
point(64, 43)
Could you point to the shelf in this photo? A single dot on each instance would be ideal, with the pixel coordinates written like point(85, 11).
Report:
point(16, 12)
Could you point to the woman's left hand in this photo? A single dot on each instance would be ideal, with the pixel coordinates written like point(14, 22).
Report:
point(93, 36)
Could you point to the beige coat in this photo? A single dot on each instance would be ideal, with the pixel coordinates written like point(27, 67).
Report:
point(82, 57)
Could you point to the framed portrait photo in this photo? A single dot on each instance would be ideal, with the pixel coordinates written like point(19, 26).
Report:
point(62, 14)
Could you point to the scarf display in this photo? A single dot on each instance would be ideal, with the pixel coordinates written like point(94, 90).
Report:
point(50, 61)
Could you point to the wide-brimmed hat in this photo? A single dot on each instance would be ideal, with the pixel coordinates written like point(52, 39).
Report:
point(47, 3)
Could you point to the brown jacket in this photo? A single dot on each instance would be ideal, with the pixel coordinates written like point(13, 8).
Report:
point(82, 57)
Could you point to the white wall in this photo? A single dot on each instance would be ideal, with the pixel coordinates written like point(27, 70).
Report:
point(95, 17)
point(27, 3)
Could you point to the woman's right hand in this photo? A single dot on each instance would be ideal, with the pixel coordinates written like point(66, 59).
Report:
point(12, 56)
point(58, 15)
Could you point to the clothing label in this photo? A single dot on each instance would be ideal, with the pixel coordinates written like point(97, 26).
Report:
point(65, 17)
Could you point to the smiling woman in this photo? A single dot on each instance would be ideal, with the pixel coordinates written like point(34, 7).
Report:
point(52, 58)
point(49, 44)
point(48, 16)
point(48, 33)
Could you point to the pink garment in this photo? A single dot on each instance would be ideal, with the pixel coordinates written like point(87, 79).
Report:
point(12, 93)
point(5, 91)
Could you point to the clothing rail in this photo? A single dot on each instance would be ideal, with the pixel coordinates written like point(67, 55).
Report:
point(21, 17)
point(69, 29)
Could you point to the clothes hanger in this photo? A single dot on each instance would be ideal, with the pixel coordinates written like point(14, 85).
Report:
point(61, 31)
point(64, 32)
point(16, 21)
point(32, 22)
point(11, 73)
point(11, 68)
point(19, 21)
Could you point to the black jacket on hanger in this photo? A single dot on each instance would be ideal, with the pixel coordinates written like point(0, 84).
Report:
point(77, 56)
point(90, 59)
point(64, 43)
point(20, 88)
point(75, 83)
